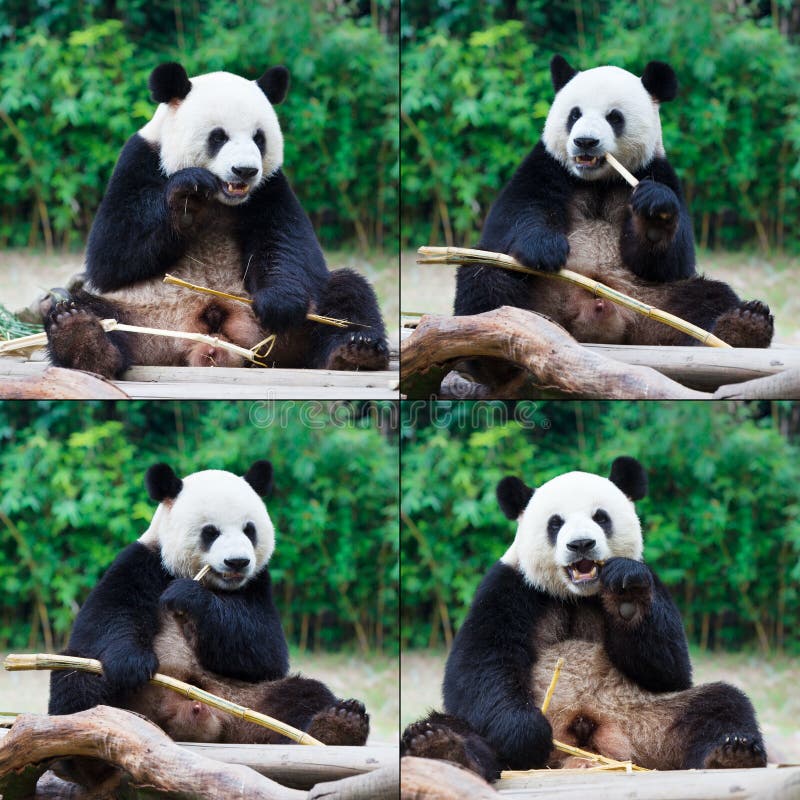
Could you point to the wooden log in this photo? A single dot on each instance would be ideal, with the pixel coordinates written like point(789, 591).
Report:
point(426, 779)
point(55, 383)
point(378, 785)
point(545, 350)
point(718, 784)
point(783, 386)
point(136, 746)
point(301, 767)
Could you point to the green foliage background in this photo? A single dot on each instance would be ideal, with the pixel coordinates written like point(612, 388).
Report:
point(476, 90)
point(72, 495)
point(720, 521)
point(73, 88)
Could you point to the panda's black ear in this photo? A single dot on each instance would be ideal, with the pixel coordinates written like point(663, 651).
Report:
point(628, 475)
point(660, 81)
point(169, 82)
point(259, 476)
point(275, 84)
point(561, 72)
point(513, 496)
point(162, 483)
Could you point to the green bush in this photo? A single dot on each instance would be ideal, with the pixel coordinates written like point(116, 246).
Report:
point(73, 88)
point(720, 521)
point(476, 90)
point(72, 495)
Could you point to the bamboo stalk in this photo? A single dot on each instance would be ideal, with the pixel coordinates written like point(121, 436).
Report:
point(548, 696)
point(463, 255)
point(203, 572)
point(337, 323)
point(622, 171)
point(15, 661)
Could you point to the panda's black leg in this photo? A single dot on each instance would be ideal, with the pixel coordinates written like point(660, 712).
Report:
point(718, 730)
point(349, 296)
point(77, 340)
point(448, 738)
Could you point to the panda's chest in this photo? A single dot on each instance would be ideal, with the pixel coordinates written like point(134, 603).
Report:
point(565, 621)
point(595, 218)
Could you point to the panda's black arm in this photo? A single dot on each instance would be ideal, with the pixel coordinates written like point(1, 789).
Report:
point(650, 646)
point(132, 237)
point(654, 249)
point(239, 633)
point(487, 677)
point(528, 221)
point(116, 624)
point(282, 263)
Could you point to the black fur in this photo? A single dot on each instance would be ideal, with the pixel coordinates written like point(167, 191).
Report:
point(259, 476)
point(513, 496)
point(275, 84)
point(169, 82)
point(561, 72)
point(629, 476)
point(120, 618)
point(162, 483)
point(660, 81)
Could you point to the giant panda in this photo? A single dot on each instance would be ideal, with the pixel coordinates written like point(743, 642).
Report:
point(199, 192)
point(223, 633)
point(566, 207)
point(573, 584)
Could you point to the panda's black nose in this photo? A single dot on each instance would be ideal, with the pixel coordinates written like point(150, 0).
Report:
point(576, 545)
point(586, 144)
point(244, 172)
point(237, 564)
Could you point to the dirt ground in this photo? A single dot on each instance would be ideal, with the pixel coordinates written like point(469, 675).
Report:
point(770, 683)
point(372, 679)
point(430, 289)
point(25, 275)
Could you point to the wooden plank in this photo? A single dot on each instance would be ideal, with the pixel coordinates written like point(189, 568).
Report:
point(769, 783)
point(199, 391)
point(301, 767)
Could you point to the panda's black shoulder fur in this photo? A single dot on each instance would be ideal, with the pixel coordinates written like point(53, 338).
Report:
point(239, 634)
point(133, 237)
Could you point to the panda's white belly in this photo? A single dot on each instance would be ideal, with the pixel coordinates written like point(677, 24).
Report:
point(595, 226)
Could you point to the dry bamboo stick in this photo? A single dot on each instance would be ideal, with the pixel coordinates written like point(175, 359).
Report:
point(15, 661)
point(622, 171)
point(171, 279)
point(548, 695)
point(463, 255)
point(203, 572)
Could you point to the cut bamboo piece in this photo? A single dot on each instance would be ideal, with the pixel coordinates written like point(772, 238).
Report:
point(203, 572)
point(337, 323)
point(548, 696)
point(15, 661)
point(622, 170)
point(464, 255)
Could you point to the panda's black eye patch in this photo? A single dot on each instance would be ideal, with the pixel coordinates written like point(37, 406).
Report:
point(260, 141)
point(603, 520)
point(553, 527)
point(208, 535)
point(573, 117)
point(250, 531)
point(216, 139)
point(616, 120)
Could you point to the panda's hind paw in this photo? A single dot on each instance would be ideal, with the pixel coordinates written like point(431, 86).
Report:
point(427, 739)
point(359, 350)
point(345, 723)
point(736, 751)
point(749, 325)
point(77, 340)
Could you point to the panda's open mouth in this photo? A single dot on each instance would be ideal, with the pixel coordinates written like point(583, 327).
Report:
point(583, 571)
point(236, 189)
point(586, 161)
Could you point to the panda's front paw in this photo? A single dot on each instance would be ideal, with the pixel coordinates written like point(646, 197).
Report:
point(188, 192)
point(183, 596)
point(279, 311)
point(627, 588)
point(542, 250)
point(127, 670)
point(656, 203)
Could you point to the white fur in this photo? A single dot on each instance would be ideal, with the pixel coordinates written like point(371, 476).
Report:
point(219, 498)
point(217, 100)
point(575, 497)
point(596, 92)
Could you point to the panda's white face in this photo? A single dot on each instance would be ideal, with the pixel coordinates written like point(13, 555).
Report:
point(603, 110)
point(226, 125)
point(570, 527)
point(216, 519)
